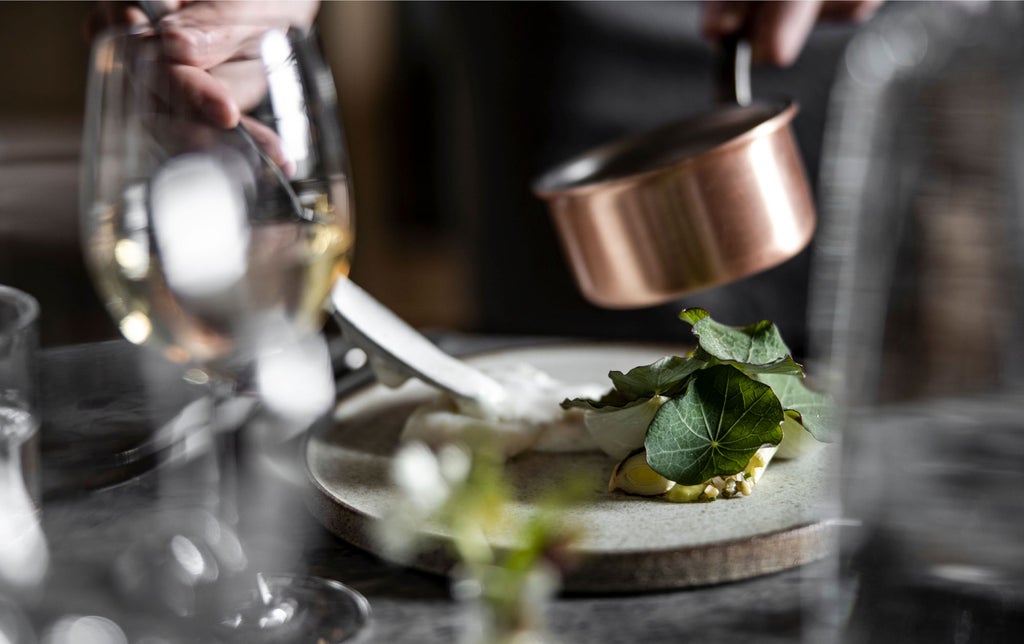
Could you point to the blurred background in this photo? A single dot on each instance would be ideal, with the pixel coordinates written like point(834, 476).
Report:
point(41, 106)
point(450, 110)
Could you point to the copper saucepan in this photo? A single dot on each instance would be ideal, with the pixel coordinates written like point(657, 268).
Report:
point(688, 206)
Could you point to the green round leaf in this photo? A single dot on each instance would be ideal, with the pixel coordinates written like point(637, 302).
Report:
point(715, 428)
point(660, 378)
point(758, 343)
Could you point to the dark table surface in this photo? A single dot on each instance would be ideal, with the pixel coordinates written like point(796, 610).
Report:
point(95, 399)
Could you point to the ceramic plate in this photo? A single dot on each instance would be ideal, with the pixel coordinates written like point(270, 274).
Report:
point(628, 543)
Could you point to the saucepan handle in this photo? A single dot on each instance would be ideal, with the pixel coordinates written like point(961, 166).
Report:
point(732, 82)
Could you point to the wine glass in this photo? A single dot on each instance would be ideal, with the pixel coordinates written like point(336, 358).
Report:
point(217, 247)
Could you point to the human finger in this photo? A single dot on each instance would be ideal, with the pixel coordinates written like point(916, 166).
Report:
point(106, 14)
point(245, 81)
point(201, 93)
point(269, 141)
point(223, 92)
point(720, 19)
point(848, 10)
point(204, 95)
point(206, 46)
point(206, 34)
point(779, 30)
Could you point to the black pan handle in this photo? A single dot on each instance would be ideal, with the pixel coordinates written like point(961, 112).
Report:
point(732, 82)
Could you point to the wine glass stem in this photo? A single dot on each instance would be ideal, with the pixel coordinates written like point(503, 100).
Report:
point(228, 444)
point(266, 609)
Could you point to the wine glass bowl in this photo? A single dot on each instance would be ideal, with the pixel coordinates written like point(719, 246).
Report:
point(165, 192)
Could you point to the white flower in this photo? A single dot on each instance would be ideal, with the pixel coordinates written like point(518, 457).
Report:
point(426, 481)
point(454, 463)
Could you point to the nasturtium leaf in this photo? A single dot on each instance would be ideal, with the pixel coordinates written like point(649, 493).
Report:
point(715, 428)
point(693, 315)
point(814, 410)
point(758, 343)
point(613, 399)
point(786, 365)
point(665, 377)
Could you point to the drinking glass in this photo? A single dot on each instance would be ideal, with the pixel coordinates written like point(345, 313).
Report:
point(919, 310)
point(217, 248)
point(23, 555)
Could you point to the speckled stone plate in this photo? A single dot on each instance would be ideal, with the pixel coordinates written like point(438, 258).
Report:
point(628, 543)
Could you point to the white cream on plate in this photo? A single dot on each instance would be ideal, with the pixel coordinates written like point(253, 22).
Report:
point(528, 416)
